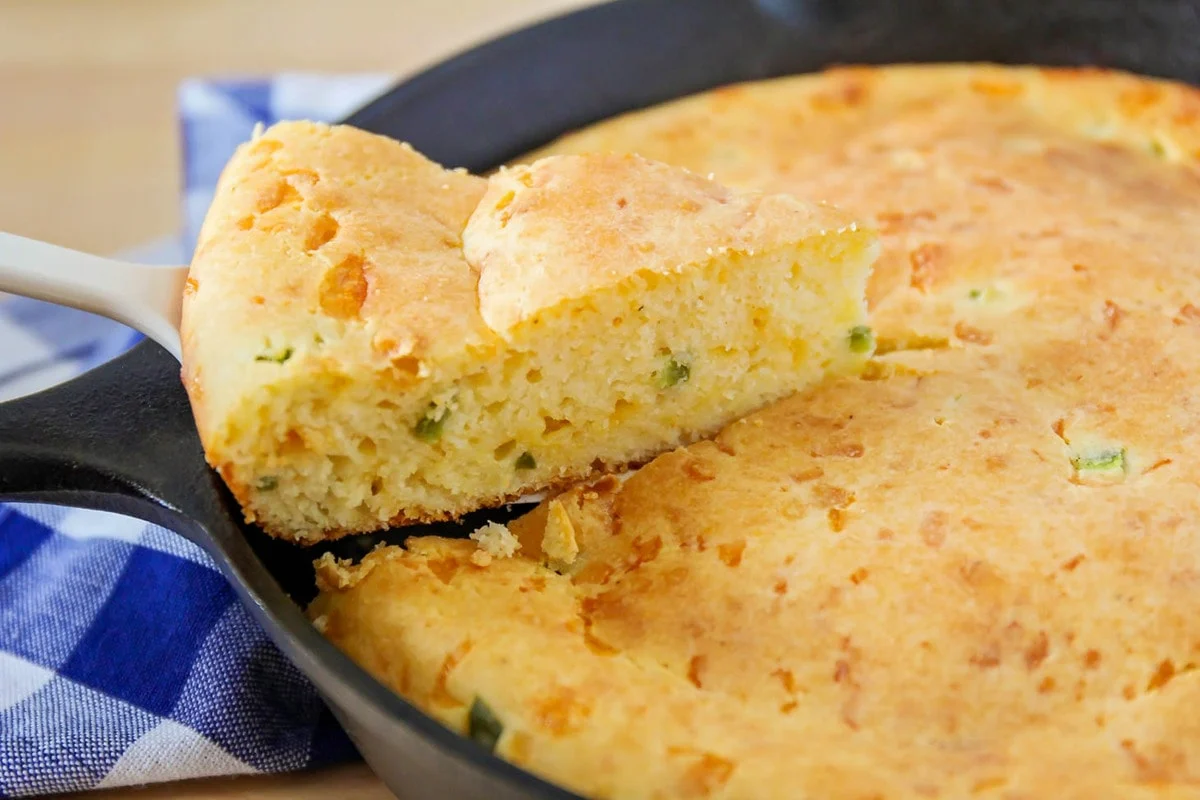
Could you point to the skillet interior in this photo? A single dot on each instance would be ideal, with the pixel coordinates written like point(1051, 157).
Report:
point(122, 438)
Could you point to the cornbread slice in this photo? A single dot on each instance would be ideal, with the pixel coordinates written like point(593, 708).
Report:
point(372, 340)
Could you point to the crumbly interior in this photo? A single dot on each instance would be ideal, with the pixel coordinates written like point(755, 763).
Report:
point(652, 362)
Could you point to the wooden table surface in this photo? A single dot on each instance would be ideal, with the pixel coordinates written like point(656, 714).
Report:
point(89, 150)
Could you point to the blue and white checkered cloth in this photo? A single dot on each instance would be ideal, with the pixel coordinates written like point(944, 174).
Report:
point(124, 656)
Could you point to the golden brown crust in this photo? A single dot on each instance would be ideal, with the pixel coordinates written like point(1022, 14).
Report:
point(566, 227)
point(972, 573)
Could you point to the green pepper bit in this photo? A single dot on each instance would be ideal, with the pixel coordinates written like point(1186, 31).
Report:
point(278, 358)
point(1109, 460)
point(674, 372)
point(985, 294)
point(267, 483)
point(429, 427)
point(862, 339)
point(483, 726)
point(526, 461)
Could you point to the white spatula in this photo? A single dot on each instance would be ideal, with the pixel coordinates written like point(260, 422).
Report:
point(147, 298)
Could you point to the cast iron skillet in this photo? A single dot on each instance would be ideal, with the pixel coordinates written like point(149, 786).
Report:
point(121, 438)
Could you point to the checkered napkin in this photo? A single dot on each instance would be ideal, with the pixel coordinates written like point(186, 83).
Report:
point(124, 656)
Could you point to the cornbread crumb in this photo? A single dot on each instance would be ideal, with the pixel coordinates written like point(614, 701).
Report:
point(335, 573)
point(494, 540)
point(558, 538)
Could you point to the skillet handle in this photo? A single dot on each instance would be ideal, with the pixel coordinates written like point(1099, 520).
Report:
point(118, 438)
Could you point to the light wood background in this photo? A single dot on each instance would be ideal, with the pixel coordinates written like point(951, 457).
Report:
point(89, 150)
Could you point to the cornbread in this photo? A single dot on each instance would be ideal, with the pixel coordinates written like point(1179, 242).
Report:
point(373, 340)
point(971, 573)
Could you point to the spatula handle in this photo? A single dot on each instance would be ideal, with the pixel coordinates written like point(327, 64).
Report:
point(147, 298)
